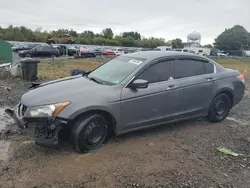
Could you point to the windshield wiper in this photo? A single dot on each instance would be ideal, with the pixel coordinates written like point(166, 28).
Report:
point(85, 73)
point(93, 79)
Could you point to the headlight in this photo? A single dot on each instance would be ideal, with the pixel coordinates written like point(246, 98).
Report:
point(46, 110)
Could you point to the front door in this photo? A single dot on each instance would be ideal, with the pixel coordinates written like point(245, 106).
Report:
point(196, 85)
point(38, 52)
point(152, 105)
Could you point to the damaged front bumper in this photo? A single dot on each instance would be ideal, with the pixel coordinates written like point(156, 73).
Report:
point(46, 130)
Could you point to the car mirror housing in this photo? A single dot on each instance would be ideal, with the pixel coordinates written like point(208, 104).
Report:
point(139, 84)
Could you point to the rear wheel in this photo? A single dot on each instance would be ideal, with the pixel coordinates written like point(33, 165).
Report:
point(89, 133)
point(219, 108)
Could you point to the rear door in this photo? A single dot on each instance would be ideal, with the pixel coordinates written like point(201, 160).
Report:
point(47, 51)
point(196, 85)
point(155, 104)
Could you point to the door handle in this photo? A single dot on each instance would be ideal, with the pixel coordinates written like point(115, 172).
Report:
point(209, 79)
point(170, 87)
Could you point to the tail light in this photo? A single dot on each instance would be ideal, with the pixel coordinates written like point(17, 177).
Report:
point(241, 78)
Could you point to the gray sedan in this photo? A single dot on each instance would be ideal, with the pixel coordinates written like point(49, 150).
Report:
point(131, 92)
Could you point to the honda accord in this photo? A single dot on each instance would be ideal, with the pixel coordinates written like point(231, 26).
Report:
point(128, 93)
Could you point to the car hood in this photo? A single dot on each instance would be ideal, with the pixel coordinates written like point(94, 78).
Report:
point(69, 89)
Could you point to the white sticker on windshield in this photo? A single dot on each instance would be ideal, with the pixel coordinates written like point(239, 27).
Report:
point(134, 61)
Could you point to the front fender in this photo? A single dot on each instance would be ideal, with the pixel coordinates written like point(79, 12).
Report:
point(112, 108)
point(87, 109)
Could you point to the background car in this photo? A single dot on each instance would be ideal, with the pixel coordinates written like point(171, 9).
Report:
point(163, 48)
point(72, 51)
point(84, 52)
point(221, 54)
point(108, 52)
point(21, 47)
point(66, 50)
point(40, 51)
point(118, 51)
point(61, 39)
point(189, 51)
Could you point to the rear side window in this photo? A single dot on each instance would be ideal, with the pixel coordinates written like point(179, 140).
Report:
point(159, 72)
point(188, 68)
point(47, 48)
point(209, 68)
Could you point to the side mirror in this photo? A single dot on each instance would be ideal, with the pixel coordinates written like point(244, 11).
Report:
point(139, 84)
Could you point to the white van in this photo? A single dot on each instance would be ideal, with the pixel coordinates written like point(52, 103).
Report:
point(163, 48)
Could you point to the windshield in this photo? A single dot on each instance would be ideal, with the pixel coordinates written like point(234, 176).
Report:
point(116, 70)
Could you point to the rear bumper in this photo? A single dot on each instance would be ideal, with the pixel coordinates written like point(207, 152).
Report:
point(47, 130)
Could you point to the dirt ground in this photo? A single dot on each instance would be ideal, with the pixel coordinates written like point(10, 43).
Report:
point(175, 155)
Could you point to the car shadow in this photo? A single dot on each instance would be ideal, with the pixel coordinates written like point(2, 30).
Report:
point(65, 146)
point(159, 130)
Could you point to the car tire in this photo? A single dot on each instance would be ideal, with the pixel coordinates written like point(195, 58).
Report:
point(89, 133)
point(28, 55)
point(220, 108)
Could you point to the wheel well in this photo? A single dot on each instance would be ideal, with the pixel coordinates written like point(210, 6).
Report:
point(111, 120)
point(229, 94)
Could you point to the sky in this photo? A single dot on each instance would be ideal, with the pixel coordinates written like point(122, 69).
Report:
point(167, 19)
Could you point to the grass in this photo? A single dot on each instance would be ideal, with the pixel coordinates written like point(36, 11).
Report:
point(57, 69)
point(240, 65)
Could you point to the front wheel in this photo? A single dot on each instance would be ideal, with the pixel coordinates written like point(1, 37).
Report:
point(219, 108)
point(89, 133)
point(28, 55)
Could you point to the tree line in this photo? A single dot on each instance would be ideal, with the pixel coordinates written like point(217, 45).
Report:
point(106, 37)
point(235, 38)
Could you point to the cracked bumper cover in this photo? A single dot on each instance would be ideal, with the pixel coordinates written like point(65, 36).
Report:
point(46, 129)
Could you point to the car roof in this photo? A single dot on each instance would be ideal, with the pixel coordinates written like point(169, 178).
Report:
point(151, 55)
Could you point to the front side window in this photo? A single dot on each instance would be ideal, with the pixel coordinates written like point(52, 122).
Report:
point(39, 48)
point(159, 72)
point(188, 68)
point(116, 70)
